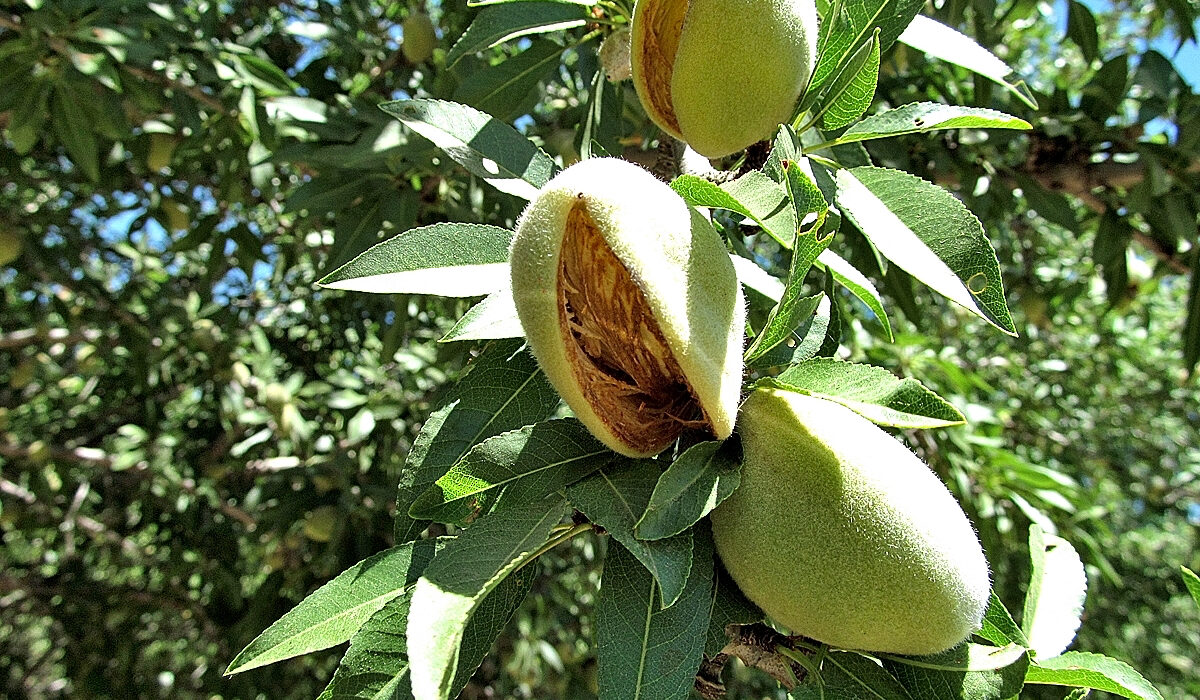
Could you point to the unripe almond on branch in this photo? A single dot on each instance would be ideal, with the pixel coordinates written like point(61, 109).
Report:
point(722, 74)
point(841, 534)
point(419, 37)
point(631, 305)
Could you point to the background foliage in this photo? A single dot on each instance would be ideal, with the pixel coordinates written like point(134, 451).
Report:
point(195, 436)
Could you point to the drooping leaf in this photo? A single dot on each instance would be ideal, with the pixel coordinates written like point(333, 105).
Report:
point(857, 283)
point(872, 392)
point(504, 90)
point(485, 146)
point(645, 652)
point(851, 93)
point(446, 259)
point(1081, 29)
point(497, 24)
point(502, 390)
point(459, 579)
point(376, 666)
point(695, 483)
point(335, 611)
point(928, 233)
point(849, 676)
point(491, 319)
point(948, 44)
point(1191, 328)
point(1057, 588)
point(967, 672)
point(1086, 670)
point(74, 130)
point(614, 498)
point(528, 463)
point(920, 117)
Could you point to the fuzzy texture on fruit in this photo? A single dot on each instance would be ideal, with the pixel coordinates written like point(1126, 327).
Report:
point(722, 74)
point(419, 37)
point(842, 534)
point(631, 305)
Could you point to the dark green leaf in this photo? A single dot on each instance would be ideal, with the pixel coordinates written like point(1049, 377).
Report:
point(502, 390)
point(525, 464)
point(497, 24)
point(74, 129)
point(503, 90)
point(1081, 28)
point(448, 259)
point(998, 626)
point(335, 611)
point(460, 578)
point(765, 201)
point(695, 483)
point(729, 607)
point(849, 24)
point(967, 672)
point(871, 391)
point(930, 234)
point(643, 651)
point(920, 117)
point(486, 147)
point(1191, 329)
point(614, 498)
point(849, 676)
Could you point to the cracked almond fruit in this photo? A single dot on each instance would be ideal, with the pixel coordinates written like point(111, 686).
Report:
point(631, 305)
point(722, 74)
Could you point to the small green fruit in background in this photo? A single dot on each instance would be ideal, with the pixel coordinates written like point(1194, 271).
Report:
point(162, 148)
point(722, 74)
point(631, 305)
point(842, 534)
point(321, 523)
point(10, 246)
point(419, 37)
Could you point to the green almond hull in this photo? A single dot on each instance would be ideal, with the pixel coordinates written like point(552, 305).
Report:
point(843, 535)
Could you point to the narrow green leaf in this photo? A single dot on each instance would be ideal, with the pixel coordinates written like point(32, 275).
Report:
point(804, 311)
point(1085, 670)
point(962, 673)
point(457, 581)
point(793, 309)
point(493, 318)
point(1081, 29)
point(74, 130)
point(998, 626)
point(525, 464)
point(848, 25)
point(485, 146)
point(501, 390)
point(447, 259)
point(752, 195)
point(1057, 588)
point(850, 99)
point(920, 117)
point(645, 652)
point(614, 498)
point(1192, 582)
point(850, 676)
point(503, 90)
point(335, 611)
point(376, 665)
point(729, 607)
point(695, 483)
point(1191, 329)
point(948, 44)
point(872, 392)
point(849, 277)
point(928, 233)
point(603, 125)
point(494, 25)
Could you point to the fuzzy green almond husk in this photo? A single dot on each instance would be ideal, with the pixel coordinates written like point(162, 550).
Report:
point(722, 74)
point(681, 270)
point(842, 534)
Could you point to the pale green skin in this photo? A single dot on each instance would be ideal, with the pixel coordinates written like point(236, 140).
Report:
point(673, 255)
point(842, 534)
point(739, 69)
